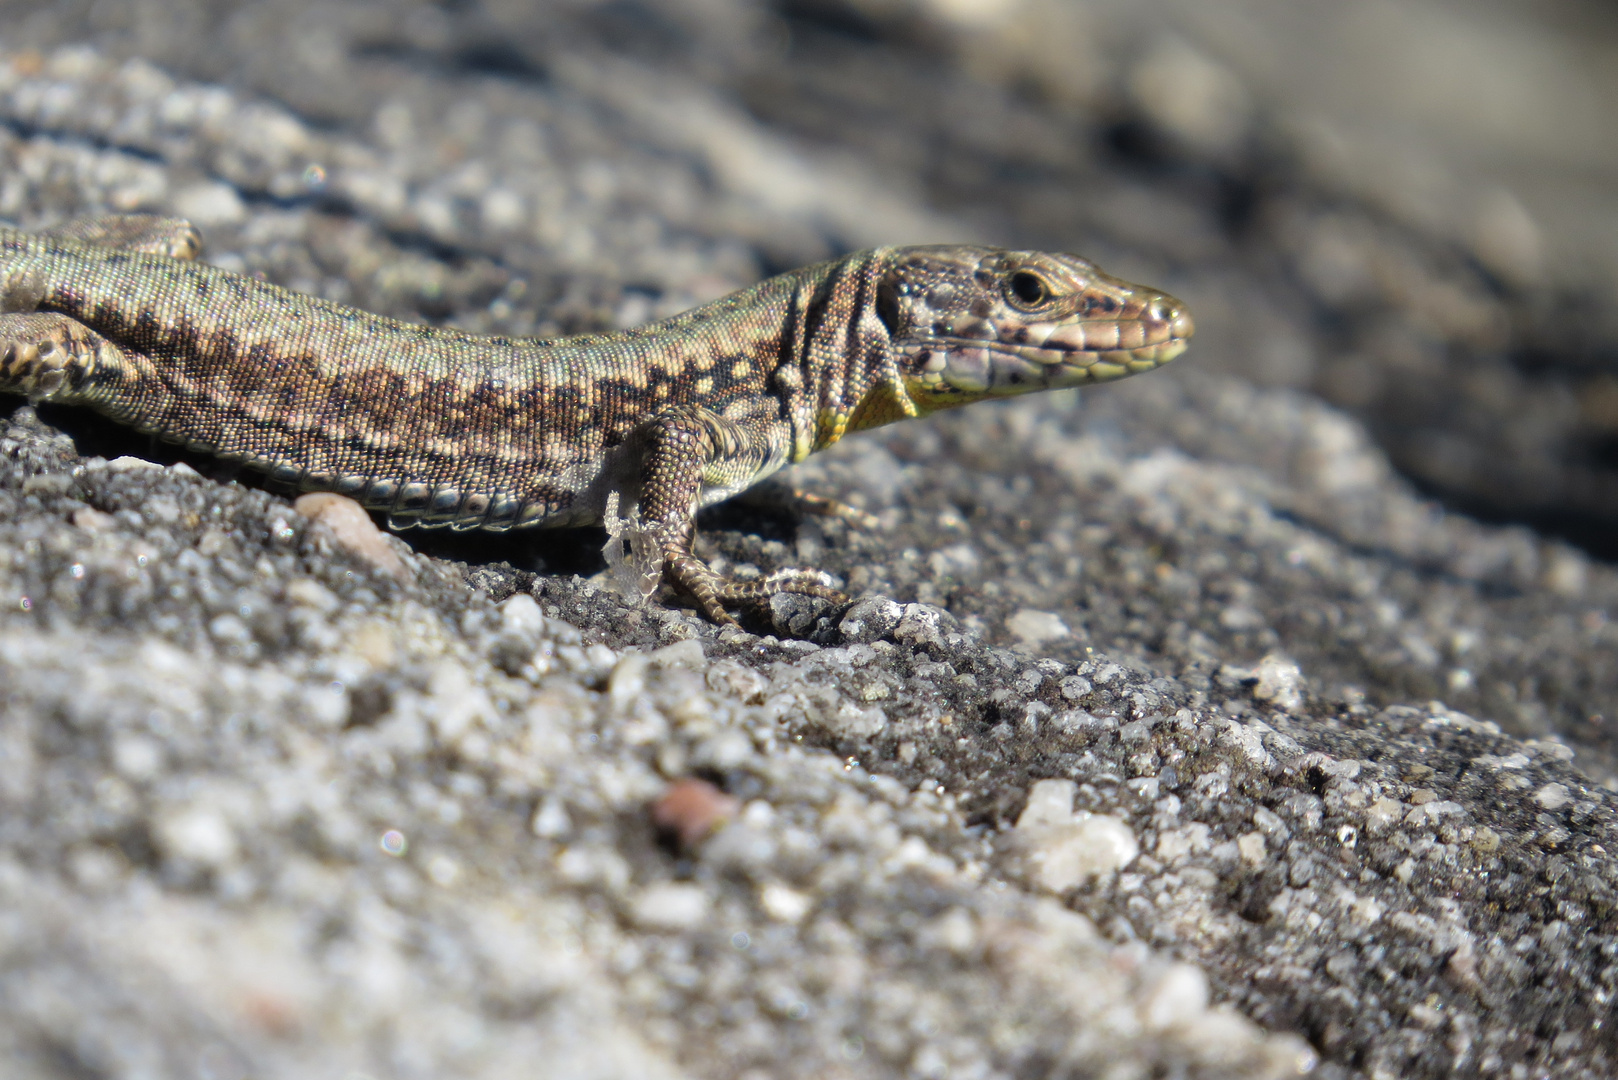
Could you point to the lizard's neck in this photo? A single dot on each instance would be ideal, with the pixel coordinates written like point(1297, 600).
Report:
point(845, 365)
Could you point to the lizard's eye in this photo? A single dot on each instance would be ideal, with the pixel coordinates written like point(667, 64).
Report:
point(1027, 289)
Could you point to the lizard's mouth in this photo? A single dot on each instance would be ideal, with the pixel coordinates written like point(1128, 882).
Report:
point(951, 370)
point(1097, 364)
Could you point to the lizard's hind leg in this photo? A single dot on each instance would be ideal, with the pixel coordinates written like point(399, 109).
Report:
point(149, 234)
point(45, 356)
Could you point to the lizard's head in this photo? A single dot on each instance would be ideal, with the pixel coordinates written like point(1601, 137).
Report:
point(969, 323)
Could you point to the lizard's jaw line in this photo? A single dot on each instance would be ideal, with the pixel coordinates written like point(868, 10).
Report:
point(996, 368)
point(1061, 356)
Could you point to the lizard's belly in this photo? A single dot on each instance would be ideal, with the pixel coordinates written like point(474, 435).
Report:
point(543, 496)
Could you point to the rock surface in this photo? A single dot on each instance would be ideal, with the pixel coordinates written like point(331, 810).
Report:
point(1174, 734)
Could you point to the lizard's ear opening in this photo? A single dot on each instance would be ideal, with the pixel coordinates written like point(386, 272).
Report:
point(887, 307)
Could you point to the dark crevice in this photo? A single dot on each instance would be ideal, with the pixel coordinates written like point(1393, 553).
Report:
point(842, 20)
point(483, 57)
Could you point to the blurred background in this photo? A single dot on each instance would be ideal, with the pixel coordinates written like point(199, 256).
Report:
point(1407, 208)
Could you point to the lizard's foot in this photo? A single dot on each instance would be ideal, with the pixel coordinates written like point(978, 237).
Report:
point(799, 501)
point(714, 593)
point(40, 351)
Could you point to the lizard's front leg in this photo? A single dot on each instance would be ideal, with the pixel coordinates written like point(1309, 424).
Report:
point(681, 448)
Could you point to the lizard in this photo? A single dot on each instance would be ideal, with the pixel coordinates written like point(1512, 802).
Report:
point(436, 427)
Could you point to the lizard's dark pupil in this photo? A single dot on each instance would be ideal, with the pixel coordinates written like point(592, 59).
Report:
point(1028, 288)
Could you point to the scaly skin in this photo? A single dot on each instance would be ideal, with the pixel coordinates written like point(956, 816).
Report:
point(436, 427)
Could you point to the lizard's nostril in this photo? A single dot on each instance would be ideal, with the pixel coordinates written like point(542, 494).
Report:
point(1169, 311)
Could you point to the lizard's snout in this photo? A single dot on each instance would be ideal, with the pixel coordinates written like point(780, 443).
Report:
point(1167, 319)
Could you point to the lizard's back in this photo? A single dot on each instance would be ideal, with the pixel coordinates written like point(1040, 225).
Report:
point(435, 425)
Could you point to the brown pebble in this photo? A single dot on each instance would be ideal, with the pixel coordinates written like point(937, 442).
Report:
point(354, 530)
point(690, 809)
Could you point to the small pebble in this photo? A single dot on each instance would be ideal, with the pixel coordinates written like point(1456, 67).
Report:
point(670, 906)
point(690, 809)
point(353, 529)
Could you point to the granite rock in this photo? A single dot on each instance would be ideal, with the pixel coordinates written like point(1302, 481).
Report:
point(1174, 733)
